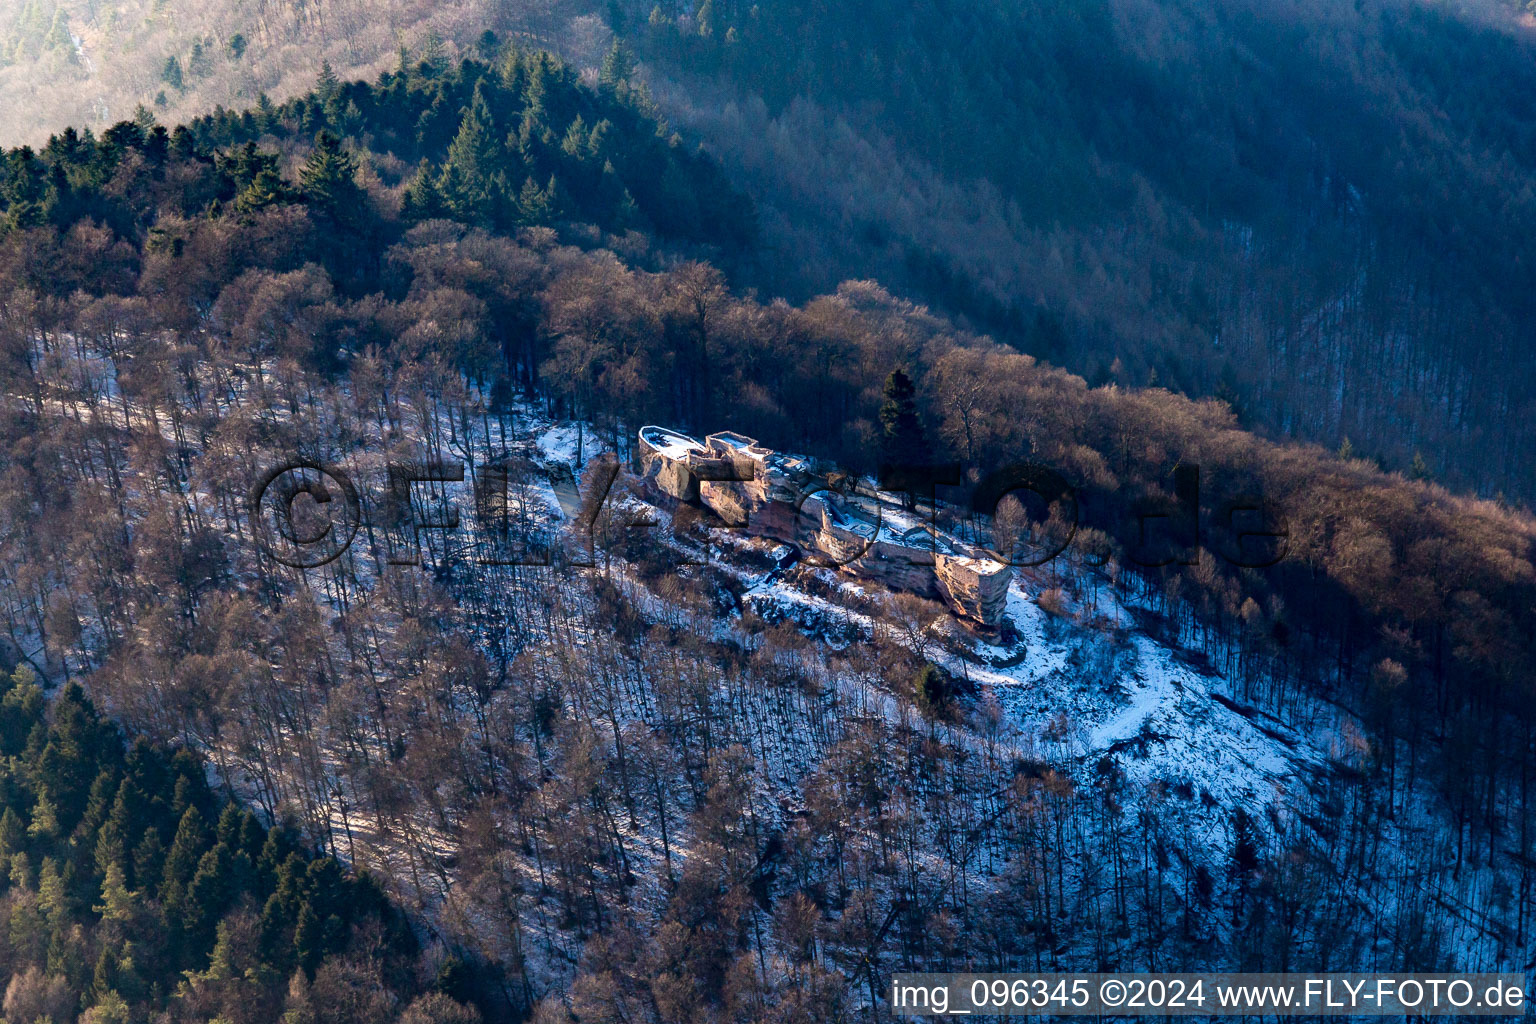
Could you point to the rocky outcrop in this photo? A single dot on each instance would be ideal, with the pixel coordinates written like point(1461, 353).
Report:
point(780, 496)
point(664, 462)
point(973, 586)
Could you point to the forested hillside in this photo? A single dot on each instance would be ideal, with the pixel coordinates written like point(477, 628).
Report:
point(1315, 210)
point(90, 63)
point(133, 892)
point(519, 143)
point(619, 789)
point(513, 142)
point(1307, 209)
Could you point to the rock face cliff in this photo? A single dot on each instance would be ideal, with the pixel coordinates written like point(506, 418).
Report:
point(782, 497)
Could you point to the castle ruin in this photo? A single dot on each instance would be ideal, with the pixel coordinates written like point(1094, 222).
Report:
point(781, 497)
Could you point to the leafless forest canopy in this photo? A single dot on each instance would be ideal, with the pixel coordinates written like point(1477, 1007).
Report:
point(90, 63)
point(1312, 210)
point(1308, 209)
point(615, 789)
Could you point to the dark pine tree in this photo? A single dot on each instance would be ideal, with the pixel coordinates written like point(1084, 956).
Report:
point(902, 440)
point(329, 179)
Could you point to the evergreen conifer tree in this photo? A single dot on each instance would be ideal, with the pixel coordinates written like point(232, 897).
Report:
point(308, 935)
point(12, 834)
point(266, 189)
point(328, 85)
point(618, 65)
point(533, 203)
point(45, 818)
point(329, 179)
point(421, 200)
point(21, 870)
point(903, 442)
point(198, 63)
point(466, 184)
point(116, 901)
point(20, 710)
point(52, 894)
point(182, 860)
point(488, 46)
point(149, 857)
point(211, 888)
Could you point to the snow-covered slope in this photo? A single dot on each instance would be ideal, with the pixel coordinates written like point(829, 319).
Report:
point(1086, 678)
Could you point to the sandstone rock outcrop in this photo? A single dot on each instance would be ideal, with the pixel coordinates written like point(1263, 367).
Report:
point(782, 497)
